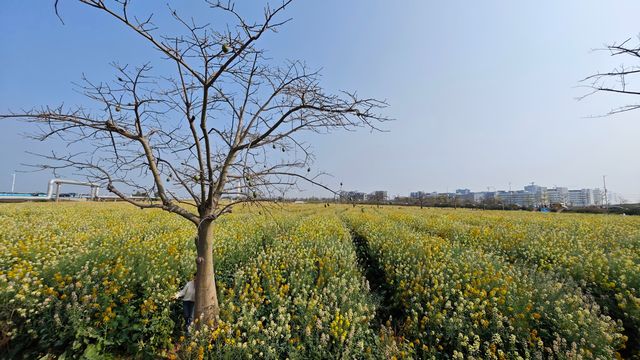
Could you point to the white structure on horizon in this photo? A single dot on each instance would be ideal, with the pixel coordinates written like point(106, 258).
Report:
point(558, 195)
point(585, 197)
point(418, 195)
point(536, 196)
point(598, 197)
point(531, 196)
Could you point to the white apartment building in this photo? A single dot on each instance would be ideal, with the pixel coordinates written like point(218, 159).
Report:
point(598, 197)
point(523, 197)
point(581, 198)
point(558, 195)
point(531, 196)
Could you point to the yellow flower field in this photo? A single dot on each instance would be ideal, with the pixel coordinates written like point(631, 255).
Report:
point(96, 280)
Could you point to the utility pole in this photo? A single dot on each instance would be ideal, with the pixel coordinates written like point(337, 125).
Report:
point(606, 200)
point(13, 183)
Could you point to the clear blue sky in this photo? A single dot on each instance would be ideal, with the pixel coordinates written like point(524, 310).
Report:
point(483, 92)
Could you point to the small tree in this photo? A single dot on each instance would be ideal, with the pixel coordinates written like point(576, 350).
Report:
point(620, 79)
point(222, 125)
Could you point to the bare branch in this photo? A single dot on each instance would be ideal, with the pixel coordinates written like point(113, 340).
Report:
point(223, 124)
point(618, 80)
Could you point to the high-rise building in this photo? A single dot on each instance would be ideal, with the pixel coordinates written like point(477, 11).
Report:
point(581, 198)
point(598, 197)
point(535, 189)
point(532, 196)
point(558, 195)
point(418, 195)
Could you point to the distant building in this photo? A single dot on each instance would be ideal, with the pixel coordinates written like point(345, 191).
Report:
point(377, 196)
point(535, 189)
point(418, 195)
point(445, 197)
point(531, 196)
point(539, 195)
point(598, 197)
point(581, 198)
point(469, 198)
point(558, 195)
point(520, 197)
point(502, 196)
point(352, 196)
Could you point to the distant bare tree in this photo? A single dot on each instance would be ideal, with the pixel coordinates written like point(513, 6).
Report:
point(223, 125)
point(620, 79)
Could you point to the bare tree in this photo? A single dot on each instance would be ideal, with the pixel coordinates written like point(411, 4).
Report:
point(217, 131)
point(620, 79)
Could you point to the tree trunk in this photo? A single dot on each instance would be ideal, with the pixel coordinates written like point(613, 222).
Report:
point(206, 306)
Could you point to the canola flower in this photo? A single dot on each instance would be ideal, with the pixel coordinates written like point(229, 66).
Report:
point(600, 253)
point(81, 277)
point(86, 279)
point(460, 302)
point(302, 297)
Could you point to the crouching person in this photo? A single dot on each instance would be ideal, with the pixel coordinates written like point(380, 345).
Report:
point(188, 295)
